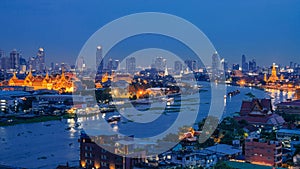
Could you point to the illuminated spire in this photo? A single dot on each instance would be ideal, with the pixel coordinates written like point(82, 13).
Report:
point(63, 74)
point(265, 77)
point(273, 78)
point(14, 76)
point(281, 77)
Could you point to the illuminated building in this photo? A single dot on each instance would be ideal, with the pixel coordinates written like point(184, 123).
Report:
point(244, 64)
point(259, 151)
point(289, 107)
point(273, 78)
point(265, 78)
point(94, 156)
point(37, 63)
point(159, 63)
point(177, 67)
point(99, 59)
point(60, 83)
point(14, 60)
point(3, 60)
point(130, 65)
point(259, 113)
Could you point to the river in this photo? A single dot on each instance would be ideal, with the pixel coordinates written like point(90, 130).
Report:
point(48, 144)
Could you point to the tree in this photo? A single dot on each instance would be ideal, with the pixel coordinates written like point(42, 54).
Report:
point(222, 165)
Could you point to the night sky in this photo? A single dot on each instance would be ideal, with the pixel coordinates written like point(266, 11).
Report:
point(266, 30)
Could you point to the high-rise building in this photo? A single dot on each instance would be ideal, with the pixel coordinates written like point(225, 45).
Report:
point(2, 60)
point(80, 64)
point(235, 67)
point(177, 67)
point(40, 59)
point(14, 60)
point(130, 65)
point(37, 63)
point(216, 63)
point(160, 63)
point(224, 65)
point(110, 64)
point(244, 64)
point(291, 65)
point(99, 59)
point(116, 64)
point(23, 64)
point(252, 65)
point(191, 64)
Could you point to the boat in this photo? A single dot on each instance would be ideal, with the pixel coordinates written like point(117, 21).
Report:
point(107, 110)
point(141, 101)
point(114, 118)
point(170, 101)
point(233, 93)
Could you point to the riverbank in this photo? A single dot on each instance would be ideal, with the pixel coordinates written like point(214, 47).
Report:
point(13, 120)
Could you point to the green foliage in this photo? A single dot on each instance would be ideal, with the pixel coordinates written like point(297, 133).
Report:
point(222, 165)
point(251, 95)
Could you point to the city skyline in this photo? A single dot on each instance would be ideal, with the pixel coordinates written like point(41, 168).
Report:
point(255, 29)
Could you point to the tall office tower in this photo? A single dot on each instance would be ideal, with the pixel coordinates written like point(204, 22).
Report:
point(252, 65)
point(99, 59)
point(80, 64)
point(2, 60)
point(116, 64)
point(291, 65)
point(160, 63)
point(191, 64)
point(130, 65)
point(52, 66)
point(40, 60)
point(216, 63)
point(244, 64)
point(23, 64)
point(223, 65)
point(235, 67)
point(177, 67)
point(14, 59)
point(109, 65)
point(32, 63)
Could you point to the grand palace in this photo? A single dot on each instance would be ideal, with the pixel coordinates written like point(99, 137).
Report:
point(60, 83)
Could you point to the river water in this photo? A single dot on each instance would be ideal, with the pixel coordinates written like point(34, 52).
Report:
point(48, 144)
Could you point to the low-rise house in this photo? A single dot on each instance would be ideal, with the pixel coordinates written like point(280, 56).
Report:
point(287, 134)
point(289, 107)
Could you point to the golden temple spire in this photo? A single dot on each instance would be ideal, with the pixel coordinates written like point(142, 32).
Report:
point(63, 74)
point(273, 78)
point(265, 77)
point(14, 76)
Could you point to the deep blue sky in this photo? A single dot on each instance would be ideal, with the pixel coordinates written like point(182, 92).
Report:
point(266, 30)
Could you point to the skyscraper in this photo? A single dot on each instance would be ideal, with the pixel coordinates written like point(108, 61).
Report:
point(130, 65)
point(40, 60)
point(14, 59)
point(160, 63)
point(252, 65)
point(216, 63)
point(224, 65)
point(235, 67)
point(2, 60)
point(244, 64)
point(99, 59)
point(177, 67)
point(191, 64)
point(37, 63)
point(80, 64)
